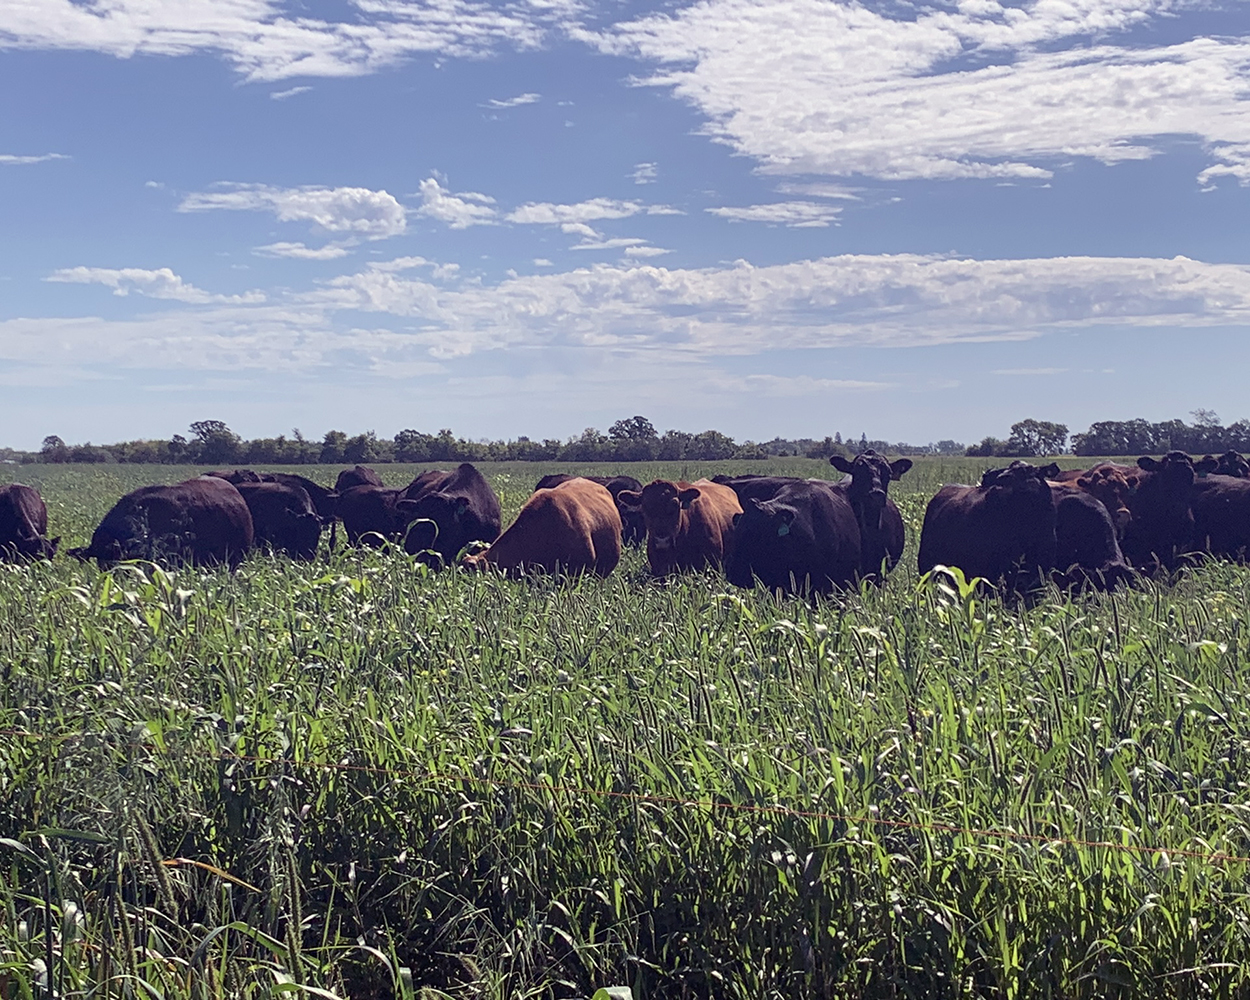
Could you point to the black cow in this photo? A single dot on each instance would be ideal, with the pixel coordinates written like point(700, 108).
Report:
point(361, 475)
point(1087, 554)
point(1221, 513)
point(324, 501)
point(880, 523)
point(1002, 530)
point(804, 539)
point(371, 511)
point(633, 528)
point(201, 521)
point(1162, 524)
point(24, 524)
point(751, 487)
point(1231, 464)
point(450, 512)
point(283, 517)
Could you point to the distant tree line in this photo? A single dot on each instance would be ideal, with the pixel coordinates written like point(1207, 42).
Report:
point(1205, 436)
point(634, 439)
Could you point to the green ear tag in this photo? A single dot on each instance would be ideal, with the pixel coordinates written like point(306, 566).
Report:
point(1202, 475)
point(784, 529)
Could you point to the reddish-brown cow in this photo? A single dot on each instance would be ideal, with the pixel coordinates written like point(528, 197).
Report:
point(688, 524)
point(572, 528)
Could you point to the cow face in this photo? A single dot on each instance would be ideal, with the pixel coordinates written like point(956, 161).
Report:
point(661, 503)
point(1019, 480)
point(1112, 489)
point(870, 480)
point(1162, 518)
point(433, 516)
point(1232, 464)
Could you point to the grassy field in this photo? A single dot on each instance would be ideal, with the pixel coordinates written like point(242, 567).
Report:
point(358, 778)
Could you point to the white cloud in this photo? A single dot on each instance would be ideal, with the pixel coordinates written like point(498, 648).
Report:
point(644, 251)
point(13, 160)
point(613, 244)
point(545, 213)
point(1028, 371)
point(794, 214)
point(161, 283)
point(372, 214)
point(514, 102)
point(819, 189)
point(274, 40)
point(580, 229)
point(282, 95)
point(458, 211)
point(542, 262)
point(330, 251)
point(983, 90)
point(644, 173)
point(886, 301)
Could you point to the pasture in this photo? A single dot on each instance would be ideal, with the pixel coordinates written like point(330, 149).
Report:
point(359, 778)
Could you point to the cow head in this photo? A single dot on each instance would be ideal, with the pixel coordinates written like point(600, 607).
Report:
point(1232, 464)
point(661, 503)
point(870, 480)
point(1111, 488)
point(1020, 479)
point(433, 516)
point(1162, 518)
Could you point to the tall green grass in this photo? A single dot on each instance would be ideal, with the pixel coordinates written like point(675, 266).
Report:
point(361, 778)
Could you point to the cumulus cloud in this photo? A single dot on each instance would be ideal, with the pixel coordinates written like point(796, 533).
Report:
point(273, 39)
point(458, 211)
point(513, 102)
point(330, 251)
point(371, 214)
point(161, 283)
point(978, 90)
point(13, 160)
point(794, 214)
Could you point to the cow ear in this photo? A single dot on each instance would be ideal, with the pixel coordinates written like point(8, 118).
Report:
point(900, 466)
point(1149, 464)
point(629, 498)
point(1048, 471)
point(687, 497)
point(840, 463)
point(1205, 466)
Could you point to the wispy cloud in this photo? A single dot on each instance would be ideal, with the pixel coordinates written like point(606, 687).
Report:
point(11, 159)
point(161, 283)
point(794, 214)
point(591, 210)
point(974, 90)
point(330, 251)
point(513, 102)
point(282, 95)
point(372, 214)
point(645, 173)
point(1028, 371)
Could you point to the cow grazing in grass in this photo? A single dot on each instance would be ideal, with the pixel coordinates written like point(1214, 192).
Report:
point(688, 524)
point(202, 521)
point(24, 524)
point(1221, 516)
point(372, 514)
point(447, 511)
point(802, 539)
point(571, 528)
point(361, 475)
point(1002, 530)
point(633, 530)
point(283, 518)
point(1087, 554)
point(324, 501)
point(880, 523)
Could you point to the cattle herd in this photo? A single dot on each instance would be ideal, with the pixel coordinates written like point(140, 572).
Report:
point(1020, 526)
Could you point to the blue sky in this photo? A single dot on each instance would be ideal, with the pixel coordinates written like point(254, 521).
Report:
point(763, 216)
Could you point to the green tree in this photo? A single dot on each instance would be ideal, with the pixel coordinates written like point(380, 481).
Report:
point(1037, 437)
point(216, 443)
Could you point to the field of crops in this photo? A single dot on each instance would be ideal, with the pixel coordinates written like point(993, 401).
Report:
point(357, 778)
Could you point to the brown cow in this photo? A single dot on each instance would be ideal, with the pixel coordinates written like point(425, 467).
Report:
point(571, 528)
point(24, 524)
point(687, 524)
point(1109, 484)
